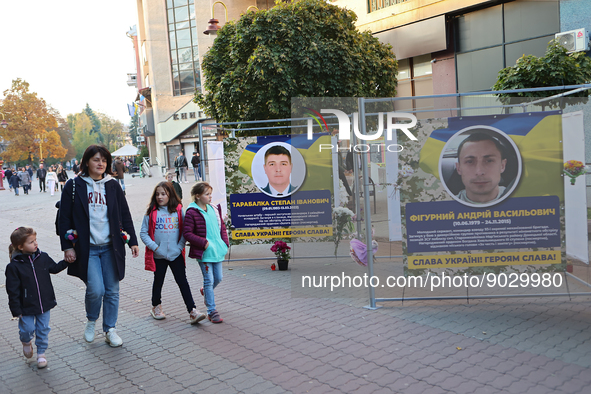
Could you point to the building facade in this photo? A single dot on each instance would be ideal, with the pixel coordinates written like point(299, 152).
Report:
point(443, 46)
point(459, 46)
point(170, 46)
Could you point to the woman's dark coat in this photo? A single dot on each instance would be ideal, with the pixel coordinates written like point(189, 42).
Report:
point(74, 215)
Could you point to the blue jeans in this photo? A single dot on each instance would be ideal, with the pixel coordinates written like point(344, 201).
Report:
point(183, 174)
point(122, 183)
point(197, 171)
point(102, 286)
point(212, 276)
point(37, 325)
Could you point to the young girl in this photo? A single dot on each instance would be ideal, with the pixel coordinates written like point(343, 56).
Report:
point(165, 247)
point(30, 293)
point(206, 232)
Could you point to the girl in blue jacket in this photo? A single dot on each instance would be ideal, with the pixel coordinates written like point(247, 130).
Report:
point(30, 292)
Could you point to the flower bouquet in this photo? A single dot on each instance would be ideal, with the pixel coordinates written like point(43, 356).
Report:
point(342, 219)
point(574, 169)
point(72, 235)
point(281, 251)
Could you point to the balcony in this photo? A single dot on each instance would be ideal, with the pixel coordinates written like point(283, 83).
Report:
point(132, 79)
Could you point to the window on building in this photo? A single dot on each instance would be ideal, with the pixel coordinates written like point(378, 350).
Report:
point(184, 52)
point(374, 5)
point(491, 39)
point(415, 79)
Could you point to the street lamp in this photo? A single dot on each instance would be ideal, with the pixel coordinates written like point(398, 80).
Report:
point(40, 139)
point(214, 23)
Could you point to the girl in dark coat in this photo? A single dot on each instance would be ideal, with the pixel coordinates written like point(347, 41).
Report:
point(30, 293)
point(95, 224)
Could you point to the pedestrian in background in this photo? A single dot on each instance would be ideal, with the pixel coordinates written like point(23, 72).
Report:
point(76, 168)
point(30, 171)
point(119, 169)
point(41, 175)
point(25, 179)
point(182, 165)
point(196, 163)
point(51, 180)
point(62, 176)
point(8, 175)
point(177, 188)
point(94, 206)
point(165, 247)
point(15, 182)
point(30, 292)
point(205, 230)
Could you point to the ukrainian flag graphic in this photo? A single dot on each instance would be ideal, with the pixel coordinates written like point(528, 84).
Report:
point(318, 163)
point(538, 137)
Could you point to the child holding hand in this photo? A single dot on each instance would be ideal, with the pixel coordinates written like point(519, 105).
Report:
point(165, 247)
point(30, 292)
point(206, 232)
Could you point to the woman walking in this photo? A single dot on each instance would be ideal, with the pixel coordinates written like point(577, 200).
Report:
point(95, 224)
point(62, 176)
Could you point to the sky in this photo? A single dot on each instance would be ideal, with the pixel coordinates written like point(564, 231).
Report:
point(71, 52)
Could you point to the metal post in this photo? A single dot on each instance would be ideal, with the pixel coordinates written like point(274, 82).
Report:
point(356, 182)
point(367, 206)
point(201, 152)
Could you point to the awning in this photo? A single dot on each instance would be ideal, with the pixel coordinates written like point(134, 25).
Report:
point(127, 150)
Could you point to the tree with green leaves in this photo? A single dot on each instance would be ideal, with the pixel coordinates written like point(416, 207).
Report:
point(31, 131)
point(96, 123)
point(133, 132)
point(111, 131)
point(555, 68)
point(65, 133)
point(308, 48)
point(82, 132)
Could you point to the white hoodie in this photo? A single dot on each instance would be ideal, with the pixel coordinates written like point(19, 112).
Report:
point(97, 210)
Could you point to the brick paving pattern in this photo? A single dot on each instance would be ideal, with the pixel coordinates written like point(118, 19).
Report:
point(274, 342)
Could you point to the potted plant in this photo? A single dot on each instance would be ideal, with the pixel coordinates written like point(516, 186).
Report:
point(281, 251)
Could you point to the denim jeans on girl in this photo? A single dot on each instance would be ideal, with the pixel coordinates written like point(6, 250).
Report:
point(37, 325)
point(212, 276)
point(102, 286)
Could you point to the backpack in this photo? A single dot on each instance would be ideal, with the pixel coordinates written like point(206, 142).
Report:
point(58, 204)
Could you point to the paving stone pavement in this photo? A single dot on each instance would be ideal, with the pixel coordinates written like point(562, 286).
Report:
point(274, 341)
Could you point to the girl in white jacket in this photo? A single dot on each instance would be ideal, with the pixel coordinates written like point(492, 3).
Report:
point(51, 179)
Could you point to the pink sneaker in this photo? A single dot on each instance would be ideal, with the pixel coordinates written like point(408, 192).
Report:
point(214, 317)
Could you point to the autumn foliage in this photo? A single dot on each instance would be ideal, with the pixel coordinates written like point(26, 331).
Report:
point(29, 117)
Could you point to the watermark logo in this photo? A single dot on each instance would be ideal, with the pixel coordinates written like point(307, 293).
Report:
point(345, 124)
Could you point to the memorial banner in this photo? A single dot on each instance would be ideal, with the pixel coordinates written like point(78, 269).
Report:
point(280, 183)
point(488, 191)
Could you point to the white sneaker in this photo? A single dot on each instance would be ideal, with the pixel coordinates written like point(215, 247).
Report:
point(157, 312)
point(89, 331)
point(112, 338)
point(195, 316)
